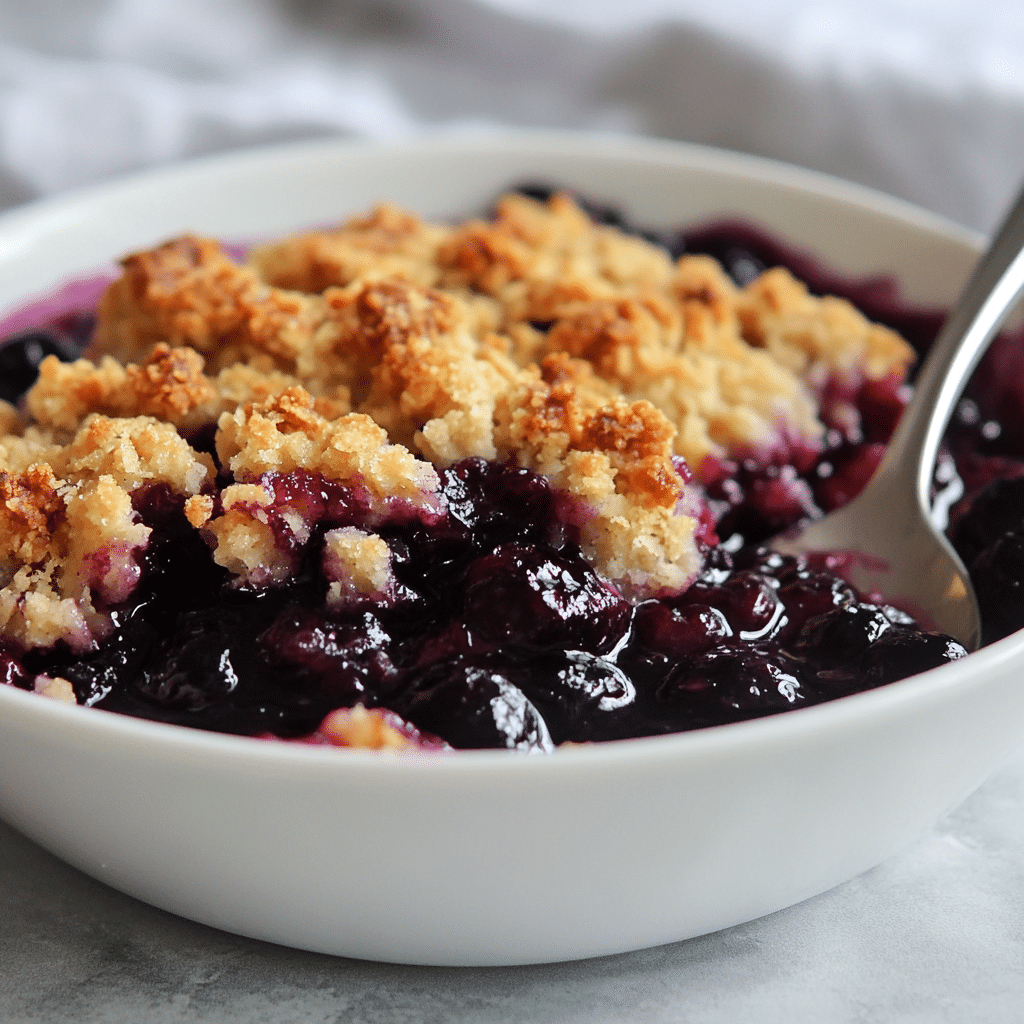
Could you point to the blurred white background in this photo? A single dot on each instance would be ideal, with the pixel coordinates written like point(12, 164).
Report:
point(921, 99)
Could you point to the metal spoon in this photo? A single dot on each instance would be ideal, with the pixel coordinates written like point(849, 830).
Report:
point(895, 547)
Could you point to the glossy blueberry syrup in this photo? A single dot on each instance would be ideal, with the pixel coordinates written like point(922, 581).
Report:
point(499, 634)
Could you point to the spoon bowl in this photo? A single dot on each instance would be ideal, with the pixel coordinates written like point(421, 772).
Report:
point(888, 541)
point(889, 548)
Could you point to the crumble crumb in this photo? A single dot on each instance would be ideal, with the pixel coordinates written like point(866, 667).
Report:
point(362, 727)
point(198, 509)
point(357, 565)
point(56, 688)
point(286, 433)
point(243, 538)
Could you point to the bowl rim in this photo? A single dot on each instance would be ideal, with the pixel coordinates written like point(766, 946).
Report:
point(858, 709)
point(20, 224)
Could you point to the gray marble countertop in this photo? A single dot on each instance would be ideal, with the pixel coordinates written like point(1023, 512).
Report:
point(934, 934)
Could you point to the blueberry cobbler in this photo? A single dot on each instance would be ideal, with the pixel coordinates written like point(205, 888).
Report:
point(497, 484)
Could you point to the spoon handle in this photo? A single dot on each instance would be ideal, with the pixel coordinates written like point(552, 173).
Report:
point(990, 295)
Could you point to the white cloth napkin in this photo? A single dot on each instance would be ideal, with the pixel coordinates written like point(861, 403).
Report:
point(921, 98)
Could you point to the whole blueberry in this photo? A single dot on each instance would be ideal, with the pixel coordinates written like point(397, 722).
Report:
point(681, 631)
point(998, 577)
point(202, 664)
point(900, 652)
point(998, 509)
point(534, 599)
point(21, 355)
point(840, 635)
point(583, 697)
point(473, 703)
point(346, 660)
point(731, 682)
point(809, 594)
point(500, 503)
point(748, 601)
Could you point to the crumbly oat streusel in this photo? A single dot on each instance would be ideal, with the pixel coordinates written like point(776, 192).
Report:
point(384, 350)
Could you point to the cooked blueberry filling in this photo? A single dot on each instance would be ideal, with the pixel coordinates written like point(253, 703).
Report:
point(521, 647)
point(495, 631)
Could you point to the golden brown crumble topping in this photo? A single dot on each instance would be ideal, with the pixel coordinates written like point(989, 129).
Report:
point(189, 292)
point(387, 242)
point(69, 530)
point(382, 351)
point(536, 257)
point(816, 337)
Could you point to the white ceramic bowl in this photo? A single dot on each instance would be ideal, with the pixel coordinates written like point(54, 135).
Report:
point(490, 857)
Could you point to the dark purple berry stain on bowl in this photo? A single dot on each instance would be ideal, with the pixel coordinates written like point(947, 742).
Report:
point(498, 633)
